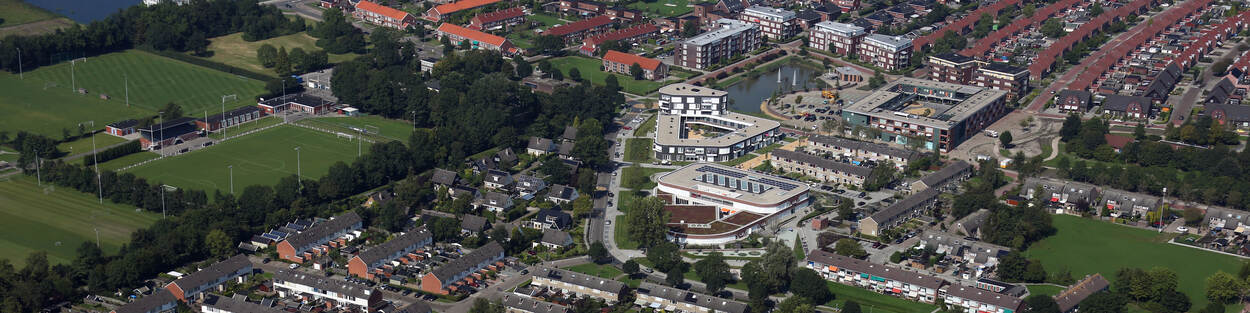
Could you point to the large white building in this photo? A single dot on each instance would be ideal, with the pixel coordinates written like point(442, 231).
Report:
point(836, 37)
point(774, 23)
point(726, 135)
point(716, 204)
point(887, 52)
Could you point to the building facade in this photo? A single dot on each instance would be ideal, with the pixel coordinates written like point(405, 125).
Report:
point(836, 37)
point(476, 39)
point(731, 134)
point(620, 62)
point(336, 294)
point(943, 115)
point(382, 15)
point(775, 23)
point(876, 277)
point(314, 241)
point(376, 260)
point(498, 19)
point(887, 52)
point(570, 282)
point(728, 38)
point(446, 279)
point(736, 202)
point(825, 170)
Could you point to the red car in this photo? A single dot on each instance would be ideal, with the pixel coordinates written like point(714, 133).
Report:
point(628, 128)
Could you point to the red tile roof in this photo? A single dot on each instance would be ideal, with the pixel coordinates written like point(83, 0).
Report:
point(1045, 60)
point(626, 58)
point(499, 15)
point(1159, 23)
point(471, 34)
point(381, 9)
point(625, 33)
point(578, 26)
point(457, 6)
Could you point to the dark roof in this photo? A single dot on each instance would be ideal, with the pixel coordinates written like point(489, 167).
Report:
point(169, 129)
point(443, 177)
point(498, 197)
point(417, 306)
point(880, 270)
point(380, 253)
point(124, 124)
point(1219, 93)
point(213, 272)
point(560, 218)
point(733, 6)
point(320, 231)
point(907, 204)
point(321, 282)
point(539, 143)
point(473, 223)
point(808, 15)
point(579, 279)
point(237, 305)
point(945, 173)
point(1004, 68)
point(167, 125)
point(231, 114)
point(566, 148)
point(570, 133)
point(149, 303)
point(527, 304)
point(506, 155)
point(561, 192)
point(680, 296)
point(1120, 103)
point(468, 261)
point(1230, 112)
point(984, 296)
point(953, 57)
point(579, 26)
point(822, 162)
point(1068, 299)
point(556, 237)
point(862, 145)
point(973, 221)
point(300, 98)
point(1083, 96)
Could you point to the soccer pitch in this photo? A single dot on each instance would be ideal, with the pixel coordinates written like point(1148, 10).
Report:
point(258, 159)
point(28, 107)
point(153, 81)
point(58, 220)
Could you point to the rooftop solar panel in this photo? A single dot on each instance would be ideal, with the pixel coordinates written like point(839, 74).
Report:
point(780, 184)
point(721, 171)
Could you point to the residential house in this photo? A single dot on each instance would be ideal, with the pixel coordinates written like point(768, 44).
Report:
point(945, 179)
point(621, 63)
point(1070, 100)
point(825, 170)
point(336, 293)
point(900, 212)
point(971, 225)
point(516, 303)
point(551, 219)
point(477, 40)
point(556, 239)
point(1070, 298)
point(495, 201)
point(540, 146)
point(576, 31)
point(962, 249)
point(974, 300)
point(304, 245)
point(657, 296)
point(161, 301)
point(442, 279)
point(875, 277)
point(1223, 218)
point(192, 286)
point(1232, 116)
point(382, 15)
point(1120, 202)
point(472, 224)
point(497, 180)
point(379, 259)
point(625, 36)
point(859, 151)
point(561, 194)
point(1128, 107)
point(527, 184)
point(438, 13)
point(222, 304)
point(498, 20)
point(444, 178)
point(579, 284)
point(1059, 192)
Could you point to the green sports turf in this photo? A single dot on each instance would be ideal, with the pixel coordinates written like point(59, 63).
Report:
point(668, 8)
point(114, 164)
point(32, 220)
point(387, 128)
point(83, 145)
point(1087, 246)
point(153, 81)
point(261, 158)
point(28, 107)
point(17, 12)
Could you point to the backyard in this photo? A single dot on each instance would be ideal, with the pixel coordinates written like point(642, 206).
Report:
point(669, 8)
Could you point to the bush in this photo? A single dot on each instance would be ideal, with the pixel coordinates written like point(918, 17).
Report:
point(113, 153)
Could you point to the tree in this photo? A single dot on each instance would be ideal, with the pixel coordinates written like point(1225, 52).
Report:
point(599, 253)
point(1139, 131)
point(1005, 139)
point(523, 67)
point(881, 176)
point(1104, 302)
point(647, 220)
point(1034, 272)
point(267, 55)
point(547, 44)
point(1040, 304)
point(1211, 308)
point(630, 268)
point(575, 74)
point(482, 305)
point(612, 83)
point(219, 244)
point(665, 257)
point(1223, 288)
point(690, 28)
point(849, 247)
point(1053, 28)
point(171, 111)
point(851, 307)
point(1072, 127)
point(197, 44)
point(713, 271)
point(282, 62)
point(877, 80)
point(1095, 9)
point(807, 283)
point(776, 266)
point(674, 277)
point(635, 70)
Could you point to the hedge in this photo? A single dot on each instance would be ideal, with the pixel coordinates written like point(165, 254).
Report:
point(113, 153)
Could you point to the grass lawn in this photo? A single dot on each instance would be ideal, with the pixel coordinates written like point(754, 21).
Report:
point(589, 69)
point(17, 12)
point(114, 164)
point(668, 8)
point(1087, 246)
point(258, 159)
point(638, 150)
point(520, 40)
point(545, 19)
point(60, 220)
point(875, 302)
point(599, 270)
point(83, 145)
point(628, 173)
point(645, 127)
point(153, 81)
point(1044, 290)
point(388, 128)
point(739, 160)
point(233, 50)
point(621, 234)
point(27, 107)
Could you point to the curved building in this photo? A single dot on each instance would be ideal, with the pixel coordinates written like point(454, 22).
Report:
point(720, 135)
point(716, 204)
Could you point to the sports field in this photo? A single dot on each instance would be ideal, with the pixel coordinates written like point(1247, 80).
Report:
point(60, 220)
point(1087, 246)
point(387, 128)
point(153, 81)
point(589, 68)
point(233, 50)
point(114, 164)
point(261, 158)
point(83, 145)
point(27, 107)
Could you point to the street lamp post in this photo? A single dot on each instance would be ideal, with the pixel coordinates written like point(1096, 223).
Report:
point(298, 175)
point(231, 167)
point(162, 201)
point(96, 161)
point(161, 116)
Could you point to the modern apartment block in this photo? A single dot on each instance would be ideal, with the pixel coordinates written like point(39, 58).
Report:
point(952, 68)
point(941, 114)
point(1013, 79)
point(775, 23)
point(727, 39)
point(836, 37)
point(723, 135)
point(887, 52)
point(958, 69)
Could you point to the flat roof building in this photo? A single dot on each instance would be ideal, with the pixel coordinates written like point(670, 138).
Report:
point(887, 52)
point(835, 37)
point(727, 39)
point(731, 134)
point(774, 23)
point(733, 202)
point(942, 114)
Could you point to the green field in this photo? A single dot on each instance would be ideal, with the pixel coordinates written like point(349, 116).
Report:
point(646, 127)
point(638, 150)
point(668, 8)
point(1087, 246)
point(153, 81)
point(60, 220)
point(80, 146)
point(114, 164)
point(258, 159)
point(17, 12)
point(590, 70)
point(28, 107)
point(628, 173)
point(387, 128)
point(233, 50)
point(875, 302)
point(546, 20)
point(621, 234)
point(598, 270)
point(1044, 290)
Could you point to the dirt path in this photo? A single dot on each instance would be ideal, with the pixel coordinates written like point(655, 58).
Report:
point(36, 28)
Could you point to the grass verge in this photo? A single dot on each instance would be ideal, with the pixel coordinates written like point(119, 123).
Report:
point(638, 150)
point(645, 127)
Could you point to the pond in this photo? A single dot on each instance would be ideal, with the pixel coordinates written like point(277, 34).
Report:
point(84, 11)
point(746, 95)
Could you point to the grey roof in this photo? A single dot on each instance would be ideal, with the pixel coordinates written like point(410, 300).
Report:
point(726, 27)
point(566, 148)
point(952, 57)
point(237, 305)
point(213, 272)
point(497, 197)
point(878, 148)
point(984, 296)
point(556, 237)
point(1231, 112)
point(499, 177)
point(688, 90)
point(893, 42)
point(848, 30)
point(685, 296)
point(522, 179)
point(563, 192)
point(880, 270)
point(1129, 199)
point(124, 124)
point(906, 205)
point(417, 306)
point(962, 101)
point(983, 250)
point(561, 219)
point(973, 221)
point(1082, 96)
point(320, 231)
point(1120, 103)
point(231, 114)
point(472, 223)
point(468, 261)
point(443, 177)
point(382, 252)
point(321, 282)
point(539, 143)
point(1073, 189)
point(780, 15)
point(822, 162)
point(1070, 298)
point(505, 155)
point(1219, 93)
point(528, 304)
point(570, 133)
point(944, 174)
point(584, 280)
point(149, 303)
